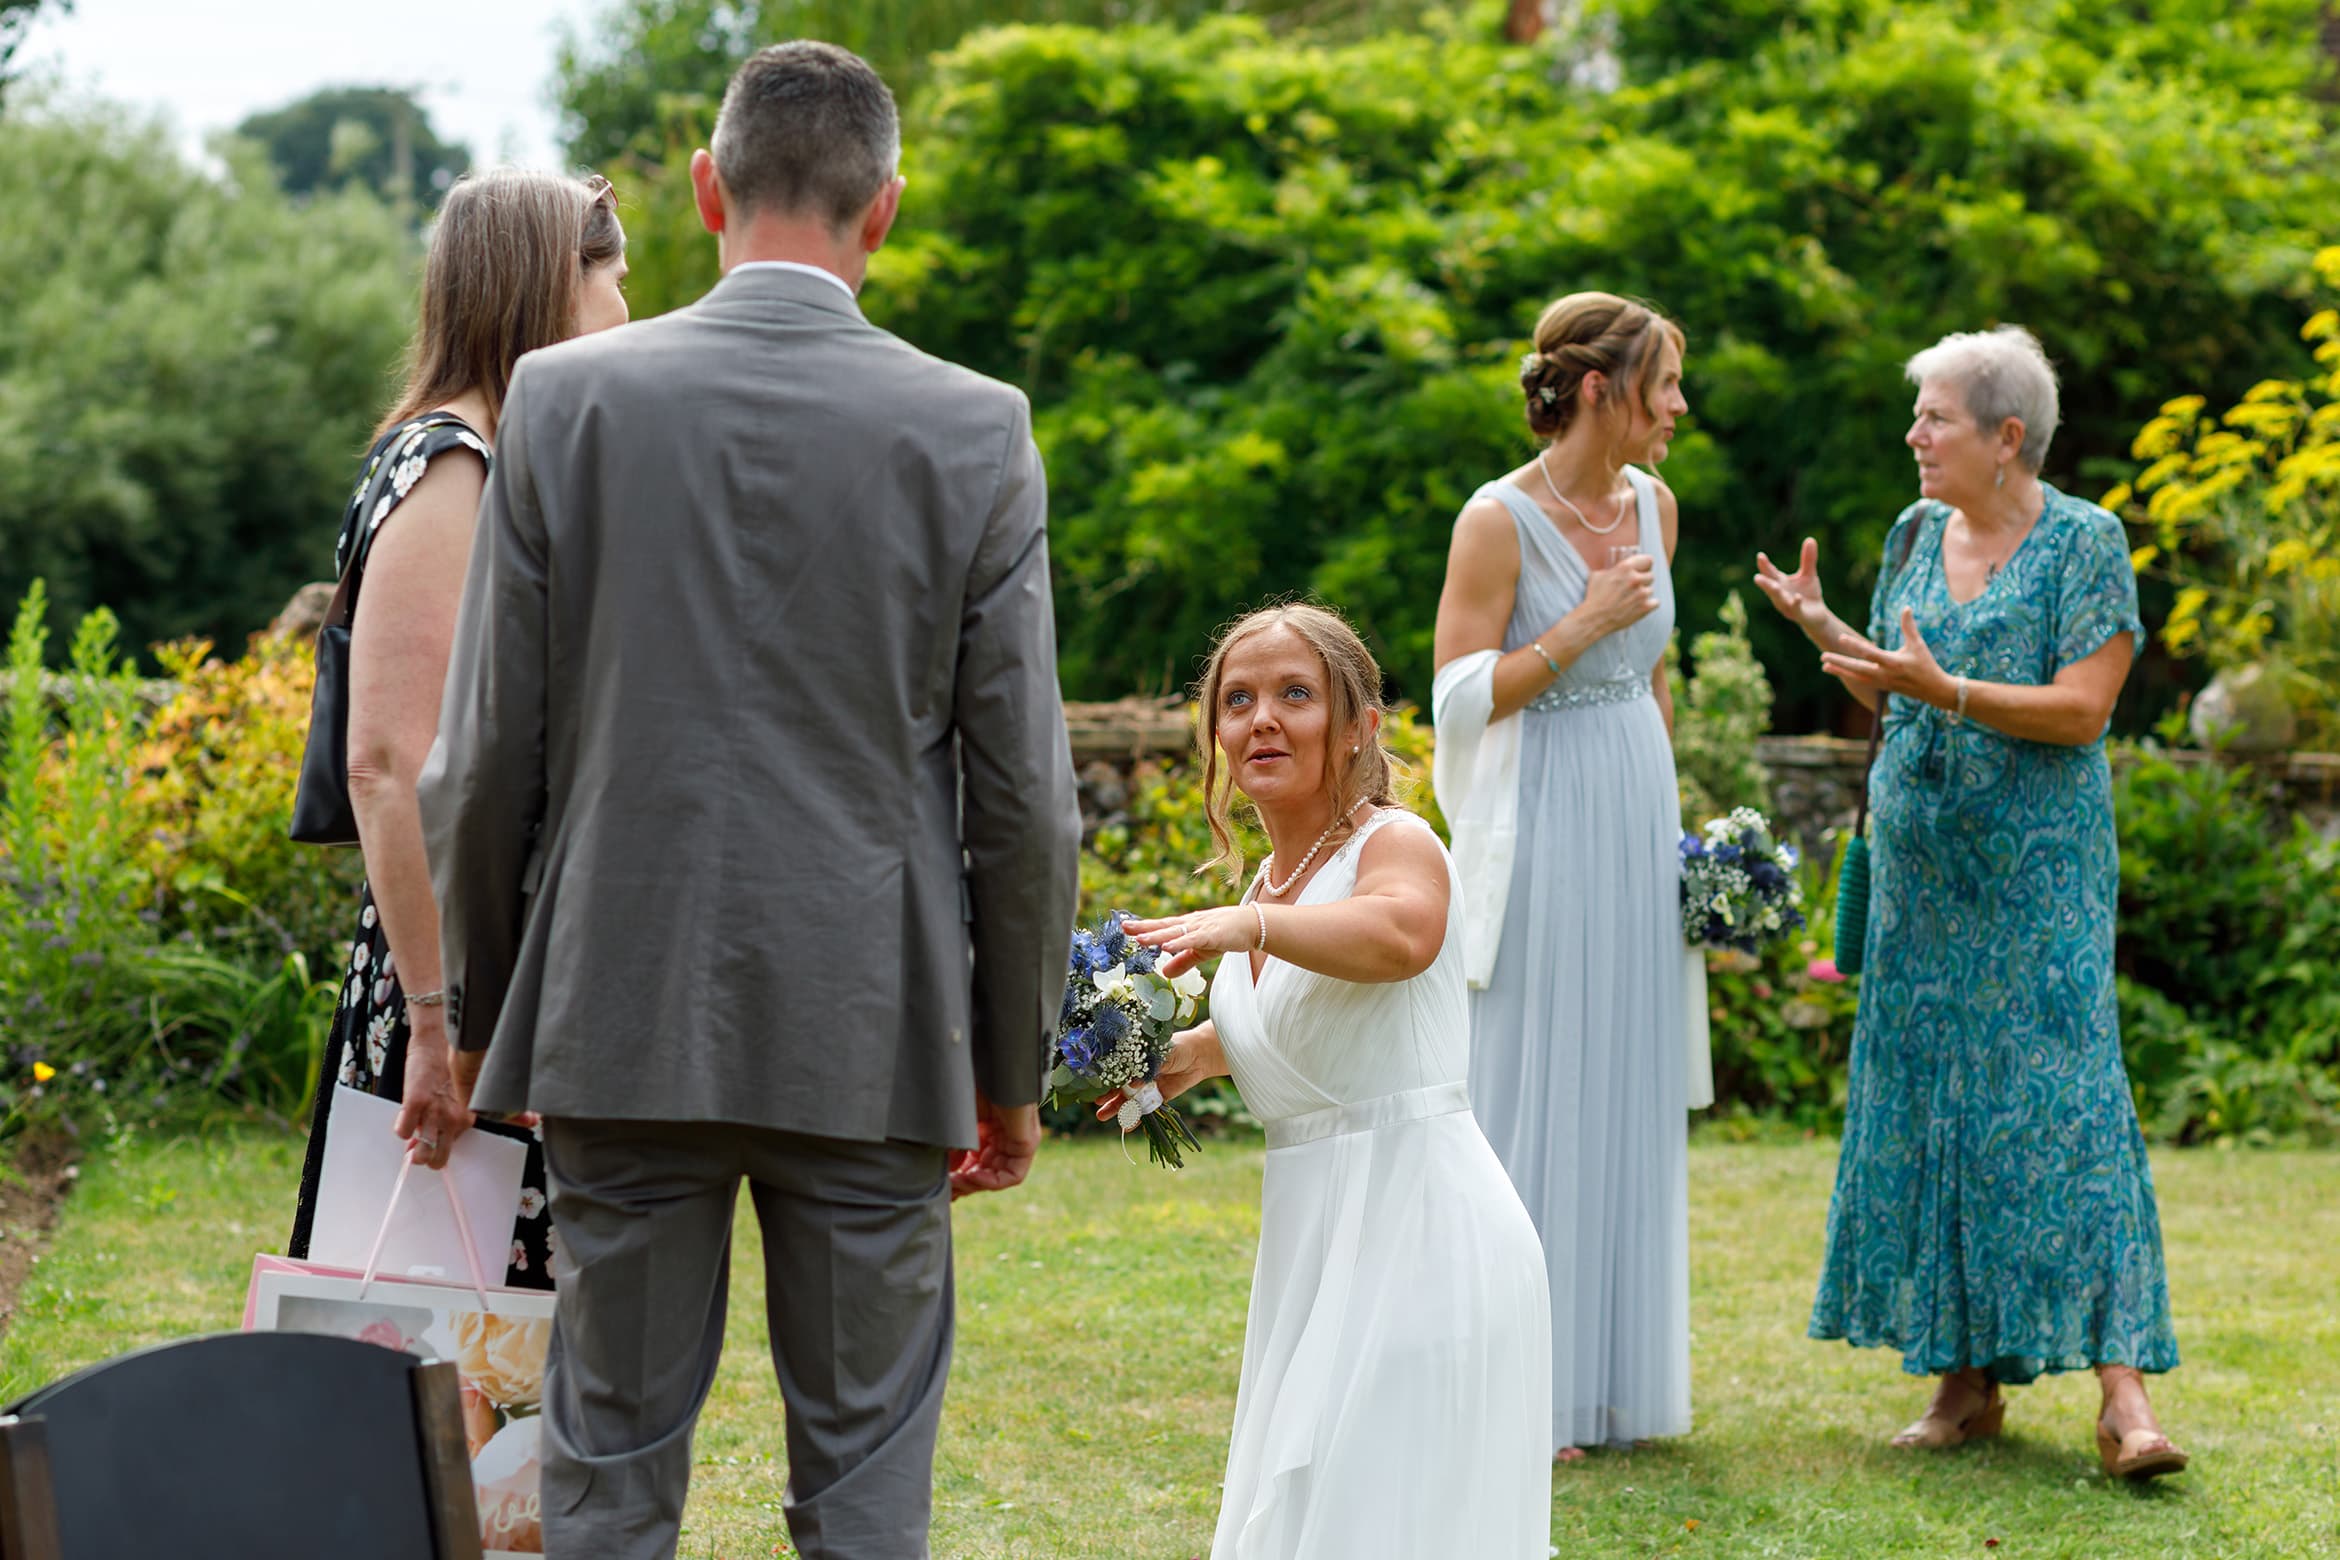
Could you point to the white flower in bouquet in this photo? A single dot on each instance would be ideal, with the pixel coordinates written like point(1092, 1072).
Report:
point(1116, 983)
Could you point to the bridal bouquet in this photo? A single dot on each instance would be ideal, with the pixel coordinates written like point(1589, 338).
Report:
point(1739, 887)
point(1114, 1030)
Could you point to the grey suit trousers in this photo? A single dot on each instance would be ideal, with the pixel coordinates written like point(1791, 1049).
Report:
point(857, 1286)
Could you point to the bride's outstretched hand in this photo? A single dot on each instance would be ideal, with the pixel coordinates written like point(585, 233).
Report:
point(1189, 939)
point(1194, 1057)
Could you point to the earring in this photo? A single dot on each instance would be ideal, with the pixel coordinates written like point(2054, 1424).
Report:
point(2002, 482)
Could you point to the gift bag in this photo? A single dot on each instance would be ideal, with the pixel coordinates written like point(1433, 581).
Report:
point(496, 1338)
point(363, 1160)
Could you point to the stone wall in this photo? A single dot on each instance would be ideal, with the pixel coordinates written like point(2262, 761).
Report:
point(1815, 781)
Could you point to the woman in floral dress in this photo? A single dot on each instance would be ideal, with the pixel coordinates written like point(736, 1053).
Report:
point(518, 260)
point(1994, 1216)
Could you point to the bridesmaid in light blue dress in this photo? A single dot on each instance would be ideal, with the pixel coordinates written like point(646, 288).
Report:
point(1559, 590)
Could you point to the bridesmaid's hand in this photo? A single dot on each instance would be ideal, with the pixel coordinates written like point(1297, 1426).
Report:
point(1194, 1057)
point(1619, 596)
point(1910, 671)
point(1189, 939)
point(1797, 595)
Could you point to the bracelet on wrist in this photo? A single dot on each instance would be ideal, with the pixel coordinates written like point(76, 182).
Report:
point(1260, 910)
point(1545, 656)
point(427, 998)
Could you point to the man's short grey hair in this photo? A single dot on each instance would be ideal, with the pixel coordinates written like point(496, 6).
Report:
point(1999, 374)
point(807, 130)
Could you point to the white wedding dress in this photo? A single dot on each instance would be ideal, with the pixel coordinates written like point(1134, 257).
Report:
point(1397, 1373)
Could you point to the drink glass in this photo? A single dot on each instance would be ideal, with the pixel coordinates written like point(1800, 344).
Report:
point(1621, 551)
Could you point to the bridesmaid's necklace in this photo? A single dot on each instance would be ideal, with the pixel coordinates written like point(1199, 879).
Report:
point(1267, 868)
point(1597, 530)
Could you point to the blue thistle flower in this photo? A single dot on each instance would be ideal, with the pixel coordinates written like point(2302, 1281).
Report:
point(1110, 1026)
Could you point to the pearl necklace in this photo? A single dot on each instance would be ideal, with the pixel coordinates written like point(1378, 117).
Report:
point(1267, 868)
point(1597, 530)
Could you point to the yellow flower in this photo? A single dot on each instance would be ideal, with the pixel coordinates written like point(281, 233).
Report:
point(2322, 325)
point(2142, 558)
point(2289, 554)
point(2160, 471)
point(2118, 499)
point(2183, 407)
point(43, 1072)
point(2158, 437)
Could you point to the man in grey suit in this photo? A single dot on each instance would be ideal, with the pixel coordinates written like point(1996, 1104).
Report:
point(751, 737)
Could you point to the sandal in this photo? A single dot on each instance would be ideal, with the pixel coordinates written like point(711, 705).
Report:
point(1935, 1434)
point(2140, 1455)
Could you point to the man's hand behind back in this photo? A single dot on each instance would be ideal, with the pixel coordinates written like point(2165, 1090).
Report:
point(1006, 1141)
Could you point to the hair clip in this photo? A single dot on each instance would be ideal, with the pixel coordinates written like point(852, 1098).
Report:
point(1547, 395)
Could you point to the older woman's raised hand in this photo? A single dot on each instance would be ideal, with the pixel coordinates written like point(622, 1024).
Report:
point(1797, 595)
point(1910, 671)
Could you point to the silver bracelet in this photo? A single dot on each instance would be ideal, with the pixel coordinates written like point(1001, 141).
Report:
point(1550, 665)
point(1959, 714)
point(1260, 910)
point(428, 998)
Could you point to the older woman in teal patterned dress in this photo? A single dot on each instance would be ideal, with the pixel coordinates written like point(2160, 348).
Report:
point(1994, 1216)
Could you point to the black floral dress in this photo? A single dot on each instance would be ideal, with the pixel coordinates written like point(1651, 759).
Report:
point(367, 1046)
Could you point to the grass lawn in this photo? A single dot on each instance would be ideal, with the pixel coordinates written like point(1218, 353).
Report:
point(1100, 1337)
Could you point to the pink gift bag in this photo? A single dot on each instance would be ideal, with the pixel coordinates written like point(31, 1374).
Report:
point(496, 1338)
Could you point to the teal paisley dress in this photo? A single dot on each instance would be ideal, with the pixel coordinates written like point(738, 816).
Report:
point(1993, 1205)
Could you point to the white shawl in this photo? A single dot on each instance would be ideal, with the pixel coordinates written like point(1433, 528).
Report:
point(1474, 772)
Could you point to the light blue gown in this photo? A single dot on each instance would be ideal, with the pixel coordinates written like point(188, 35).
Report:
point(1579, 1068)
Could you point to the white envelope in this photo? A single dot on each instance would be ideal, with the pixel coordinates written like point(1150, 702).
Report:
point(362, 1160)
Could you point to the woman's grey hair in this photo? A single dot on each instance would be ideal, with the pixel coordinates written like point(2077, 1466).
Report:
point(1999, 374)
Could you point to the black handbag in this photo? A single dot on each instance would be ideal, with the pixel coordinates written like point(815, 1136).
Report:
point(322, 814)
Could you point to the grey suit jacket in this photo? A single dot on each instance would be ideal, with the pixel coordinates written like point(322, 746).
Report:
point(752, 733)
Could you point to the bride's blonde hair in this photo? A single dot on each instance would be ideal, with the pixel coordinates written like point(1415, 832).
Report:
point(1352, 683)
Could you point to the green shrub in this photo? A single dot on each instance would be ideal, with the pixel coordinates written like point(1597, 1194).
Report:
point(2244, 514)
point(1720, 711)
point(76, 945)
point(219, 762)
point(108, 1012)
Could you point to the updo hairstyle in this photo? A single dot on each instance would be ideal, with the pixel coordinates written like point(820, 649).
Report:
point(1585, 333)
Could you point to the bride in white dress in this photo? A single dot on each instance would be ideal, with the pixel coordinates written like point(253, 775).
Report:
point(1396, 1391)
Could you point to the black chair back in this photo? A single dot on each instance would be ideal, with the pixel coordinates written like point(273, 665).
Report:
point(241, 1446)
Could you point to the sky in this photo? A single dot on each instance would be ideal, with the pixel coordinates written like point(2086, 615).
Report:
point(482, 67)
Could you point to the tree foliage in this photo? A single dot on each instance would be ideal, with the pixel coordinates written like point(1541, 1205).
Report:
point(1269, 296)
point(189, 373)
point(649, 64)
point(377, 137)
point(15, 17)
